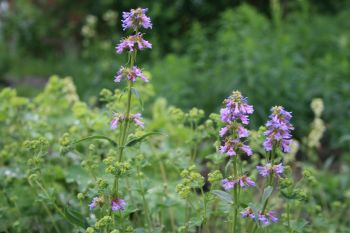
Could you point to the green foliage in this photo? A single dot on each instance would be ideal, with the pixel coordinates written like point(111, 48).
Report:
point(59, 184)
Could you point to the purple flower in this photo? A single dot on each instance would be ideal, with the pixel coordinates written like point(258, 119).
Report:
point(135, 19)
point(278, 129)
point(246, 182)
point(248, 213)
point(246, 149)
point(131, 42)
point(278, 169)
point(231, 147)
point(117, 118)
point(227, 185)
point(137, 119)
point(237, 107)
point(263, 219)
point(131, 74)
point(242, 132)
point(267, 169)
point(93, 203)
point(223, 131)
point(118, 204)
point(272, 216)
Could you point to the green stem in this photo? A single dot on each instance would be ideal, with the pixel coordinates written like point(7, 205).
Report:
point(235, 196)
point(145, 205)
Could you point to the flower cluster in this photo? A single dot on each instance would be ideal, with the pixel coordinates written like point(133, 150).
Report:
point(235, 115)
point(244, 182)
point(267, 169)
point(264, 218)
point(278, 129)
point(118, 118)
point(116, 203)
point(136, 19)
point(131, 74)
point(132, 43)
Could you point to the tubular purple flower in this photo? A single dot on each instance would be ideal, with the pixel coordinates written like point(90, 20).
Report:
point(248, 213)
point(278, 169)
point(278, 129)
point(272, 216)
point(118, 204)
point(263, 219)
point(93, 203)
point(137, 119)
point(135, 19)
point(246, 182)
point(264, 170)
point(246, 149)
point(131, 42)
point(227, 185)
point(242, 132)
point(131, 74)
point(117, 118)
point(267, 169)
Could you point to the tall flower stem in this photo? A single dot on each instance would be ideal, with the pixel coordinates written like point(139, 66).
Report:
point(235, 196)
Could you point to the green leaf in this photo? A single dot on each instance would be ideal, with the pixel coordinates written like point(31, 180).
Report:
point(298, 226)
point(97, 137)
point(75, 217)
point(139, 139)
point(266, 194)
point(224, 196)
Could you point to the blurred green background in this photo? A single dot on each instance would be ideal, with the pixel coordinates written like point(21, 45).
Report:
point(277, 52)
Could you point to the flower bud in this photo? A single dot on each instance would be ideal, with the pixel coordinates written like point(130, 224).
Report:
point(80, 196)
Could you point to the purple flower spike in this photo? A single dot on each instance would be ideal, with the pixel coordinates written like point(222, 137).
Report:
point(118, 204)
point(93, 203)
point(278, 129)
point(135, 19)
point(246, 182)
point(227, 185)
point(234, 115)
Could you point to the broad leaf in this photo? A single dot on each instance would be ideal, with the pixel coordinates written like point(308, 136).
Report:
point(224, 196)
point(266, 194)
point(75, 217)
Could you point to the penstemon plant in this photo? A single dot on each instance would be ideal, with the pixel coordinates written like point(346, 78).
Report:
point(230, 187)
point(110, 202)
